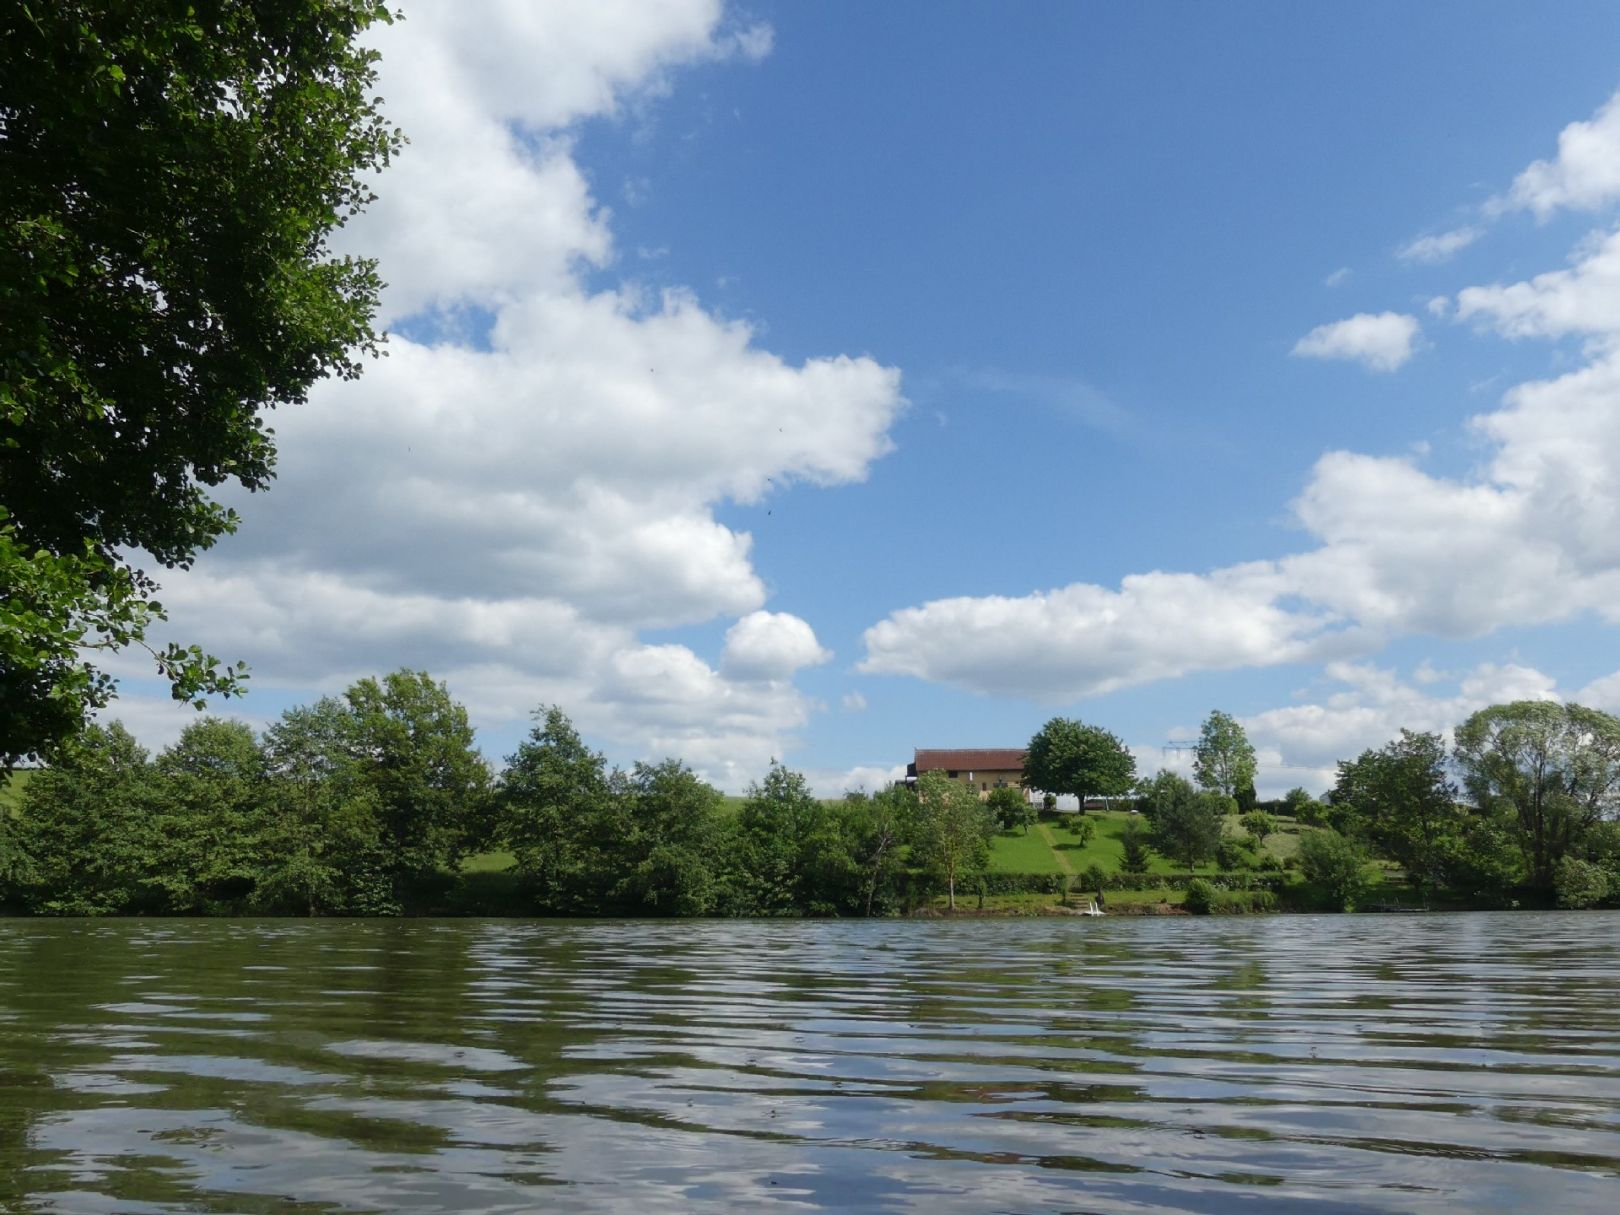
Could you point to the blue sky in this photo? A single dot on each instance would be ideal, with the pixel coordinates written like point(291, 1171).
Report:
point(821, 382)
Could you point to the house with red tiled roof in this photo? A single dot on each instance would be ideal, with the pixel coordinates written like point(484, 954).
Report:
point(980, 768)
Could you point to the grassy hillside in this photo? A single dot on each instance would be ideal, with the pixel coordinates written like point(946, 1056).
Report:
point(1054, 846)
point(1050, 846)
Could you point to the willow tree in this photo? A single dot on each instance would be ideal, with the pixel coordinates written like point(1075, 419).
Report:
point(1556, 766)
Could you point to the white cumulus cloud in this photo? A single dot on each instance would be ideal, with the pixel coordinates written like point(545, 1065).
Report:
point(1364, 707)
point(1584, 176)
point(1441, 247)
point(770, 645)
point(1381, 341)
point(1583, 299)
point(1531, 536)
point(529, 480)
point(1084, 640)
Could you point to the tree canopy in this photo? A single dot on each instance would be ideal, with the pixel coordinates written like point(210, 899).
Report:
point(1068, 756)
point(1187, 826)
point(1011, 808)
point(1223, 758)
point(1401, 799)
point(1556, 766)
point(172, 175)
point(953, 831)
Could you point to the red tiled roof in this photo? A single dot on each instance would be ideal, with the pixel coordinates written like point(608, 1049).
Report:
point(972, 759)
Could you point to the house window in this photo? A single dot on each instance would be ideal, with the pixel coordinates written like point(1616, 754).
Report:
point(951, 773)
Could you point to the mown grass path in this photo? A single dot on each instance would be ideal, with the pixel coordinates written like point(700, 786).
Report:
point(1045, 833)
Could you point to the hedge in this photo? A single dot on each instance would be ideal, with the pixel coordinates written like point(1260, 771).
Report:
point(1249, 883)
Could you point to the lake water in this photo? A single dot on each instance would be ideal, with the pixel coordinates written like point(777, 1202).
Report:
point(1421, 1063)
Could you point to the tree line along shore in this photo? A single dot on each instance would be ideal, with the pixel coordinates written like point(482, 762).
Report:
point(377, 802)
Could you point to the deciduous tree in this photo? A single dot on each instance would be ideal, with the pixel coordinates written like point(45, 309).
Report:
point(173, 173)
point(414, 746)
point(84, 828)
point(671, 859)
point(775, 825)
point(1068, 756)
point(879, 829)
point(324, 850)
point(559, 815)
point(1011, 808)
point(1401, 799)
point(1557, 766)
point(1223, 759)
point(953, 831)
point(210, 794)
point(1337, 864)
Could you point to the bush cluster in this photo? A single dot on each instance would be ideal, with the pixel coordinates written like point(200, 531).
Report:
point(1205, 897)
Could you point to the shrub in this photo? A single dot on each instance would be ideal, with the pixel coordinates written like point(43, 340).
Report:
point(1336, 864)
point(1258, 824)
point(1233, 853)
point(1200, 897)
point(1204, 897)
point(1311, 814)
point(1022, 883)
point(1011, 808)
point(1581, 883)
point(1135, 842)
point(1243, 902)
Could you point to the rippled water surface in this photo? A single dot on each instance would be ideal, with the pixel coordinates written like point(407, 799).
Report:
point(1402, 1064)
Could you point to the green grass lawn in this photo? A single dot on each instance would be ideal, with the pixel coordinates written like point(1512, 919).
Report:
point(1104, 848)
point(11, 789)
point(1022, 854)
point(1161, 894)
point(1282, 844)
point(487, 862)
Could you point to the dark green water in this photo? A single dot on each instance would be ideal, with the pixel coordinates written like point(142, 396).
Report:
point(1401, 1064)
